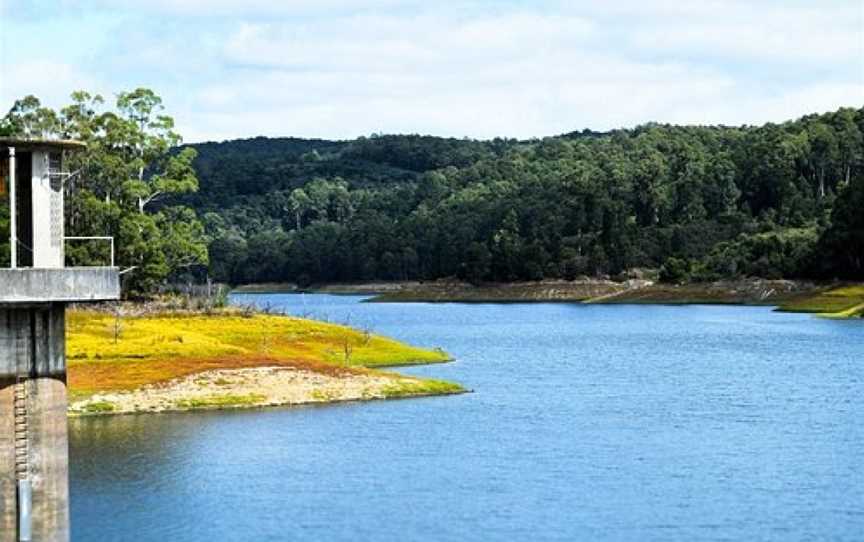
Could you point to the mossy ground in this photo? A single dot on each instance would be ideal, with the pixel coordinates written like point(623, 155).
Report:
point(842, 302)
point(227, 400)
point(109, 354)
point(421, 387)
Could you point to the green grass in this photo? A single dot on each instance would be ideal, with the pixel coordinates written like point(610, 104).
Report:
point(220, 401)
point(267, 288)
point(843, 302)
point(99, 407)
point(421, 387)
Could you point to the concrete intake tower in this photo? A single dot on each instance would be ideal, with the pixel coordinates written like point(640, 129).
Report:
point(34, 291)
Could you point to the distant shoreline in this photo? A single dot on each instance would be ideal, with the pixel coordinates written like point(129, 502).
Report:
point(843, 300)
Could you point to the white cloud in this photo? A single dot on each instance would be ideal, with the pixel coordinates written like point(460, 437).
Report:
point(805, 35)
point(336, 68)
point(52, 82)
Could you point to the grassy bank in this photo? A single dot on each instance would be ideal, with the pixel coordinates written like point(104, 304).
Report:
point(111, 355)
point(842, 302)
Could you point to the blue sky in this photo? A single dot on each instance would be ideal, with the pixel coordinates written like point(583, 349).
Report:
point(477, 68)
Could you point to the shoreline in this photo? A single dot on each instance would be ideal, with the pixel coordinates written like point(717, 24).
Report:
point(785, 295)
point(263, 387)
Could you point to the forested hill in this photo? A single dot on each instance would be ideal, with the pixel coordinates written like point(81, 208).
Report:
point(258, 166)
point(779, 200)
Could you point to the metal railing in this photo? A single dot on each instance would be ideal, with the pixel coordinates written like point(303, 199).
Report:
point(95, 238)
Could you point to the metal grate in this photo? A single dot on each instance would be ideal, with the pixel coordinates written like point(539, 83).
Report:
point(55, 179)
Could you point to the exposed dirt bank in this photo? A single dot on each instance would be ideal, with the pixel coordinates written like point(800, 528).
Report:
point(738, 292)
point(546, 291)
point(750, 291)
point(258, 387)
point(830, 299)
point(370, 288)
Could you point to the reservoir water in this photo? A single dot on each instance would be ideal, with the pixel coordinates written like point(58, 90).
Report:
point(587, 422)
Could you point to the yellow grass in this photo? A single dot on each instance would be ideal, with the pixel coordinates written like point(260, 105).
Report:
point(104, 354)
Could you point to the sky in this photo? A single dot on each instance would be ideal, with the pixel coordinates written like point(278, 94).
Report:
point(465, 68)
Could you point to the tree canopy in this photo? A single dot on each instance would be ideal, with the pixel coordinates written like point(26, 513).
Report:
point(695, 202)
point(707, 202)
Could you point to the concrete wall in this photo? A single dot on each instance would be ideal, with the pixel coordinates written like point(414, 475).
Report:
point(32, 341)
point(32, 354)
point(69, 284)
point(8, 506)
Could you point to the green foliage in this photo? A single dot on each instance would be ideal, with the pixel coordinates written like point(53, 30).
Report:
point(843, 242)
point(773, 254)
point(675, 271)
point(708, 202)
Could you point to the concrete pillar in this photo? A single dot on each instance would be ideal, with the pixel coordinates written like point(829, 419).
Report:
point(33, 371)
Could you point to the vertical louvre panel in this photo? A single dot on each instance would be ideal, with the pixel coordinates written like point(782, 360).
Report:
point(56, 180)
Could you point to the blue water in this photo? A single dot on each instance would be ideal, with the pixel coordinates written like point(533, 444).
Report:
point(586, 423)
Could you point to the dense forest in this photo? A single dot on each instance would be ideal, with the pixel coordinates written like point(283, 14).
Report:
point(696, 203)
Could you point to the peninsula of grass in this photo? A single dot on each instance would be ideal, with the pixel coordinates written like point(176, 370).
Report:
point(107, 354)
point(841, 302)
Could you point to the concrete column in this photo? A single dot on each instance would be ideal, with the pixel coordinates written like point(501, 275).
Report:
point(13, 209)
point(32, 355)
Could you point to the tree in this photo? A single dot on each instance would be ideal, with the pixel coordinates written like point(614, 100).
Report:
point(146, 139)
point(28, 118)
point(824, 151)
point(299, 203)
point(843, 242)
point(850, 143)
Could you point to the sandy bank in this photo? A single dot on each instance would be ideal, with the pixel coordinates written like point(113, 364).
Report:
point(258, 387)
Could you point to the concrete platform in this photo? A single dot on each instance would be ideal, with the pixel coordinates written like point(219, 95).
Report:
point(65, 285)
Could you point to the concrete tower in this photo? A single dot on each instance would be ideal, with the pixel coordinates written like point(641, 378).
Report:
point(34, 291)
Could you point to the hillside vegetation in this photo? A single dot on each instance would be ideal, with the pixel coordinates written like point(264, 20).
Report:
point(698, 203)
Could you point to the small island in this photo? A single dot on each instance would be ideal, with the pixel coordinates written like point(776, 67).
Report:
point(168, 360)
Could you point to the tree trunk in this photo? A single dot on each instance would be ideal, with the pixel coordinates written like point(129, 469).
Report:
point(822, 182)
